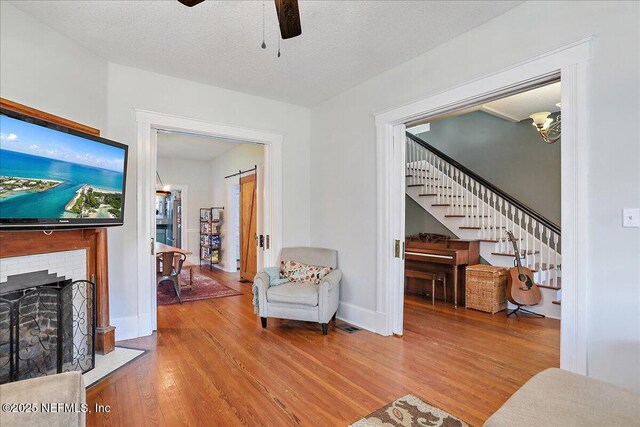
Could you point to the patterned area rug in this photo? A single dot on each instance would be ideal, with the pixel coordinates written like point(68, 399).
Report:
point(409, 411)
point(203, 288)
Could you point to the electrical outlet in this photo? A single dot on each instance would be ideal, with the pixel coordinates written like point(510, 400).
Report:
point(631, 217)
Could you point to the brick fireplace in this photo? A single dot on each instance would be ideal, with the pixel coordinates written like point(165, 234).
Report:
point(47, 321)
point(28, 251)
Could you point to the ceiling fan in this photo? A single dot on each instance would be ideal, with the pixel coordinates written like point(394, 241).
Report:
point(288, 16)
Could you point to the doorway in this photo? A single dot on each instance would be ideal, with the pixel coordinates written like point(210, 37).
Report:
point(271, 209)
point(169, 221)
point(571, 64)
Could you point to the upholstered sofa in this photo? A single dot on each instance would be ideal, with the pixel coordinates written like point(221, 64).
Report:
point(302, 301)
point(558, 398)
point(51, 401)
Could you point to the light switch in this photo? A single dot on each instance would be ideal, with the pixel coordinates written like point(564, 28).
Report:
point(631, 217)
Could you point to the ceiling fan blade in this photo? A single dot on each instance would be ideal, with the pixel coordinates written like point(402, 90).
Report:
point(190, 3)
point(289, 18)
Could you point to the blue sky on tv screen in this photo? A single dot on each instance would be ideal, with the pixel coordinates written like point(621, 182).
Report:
point(23, 137)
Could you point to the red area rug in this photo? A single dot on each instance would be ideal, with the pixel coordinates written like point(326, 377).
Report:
point(203, 288)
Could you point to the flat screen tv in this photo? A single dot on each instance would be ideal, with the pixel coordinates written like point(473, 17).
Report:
point(55, 177)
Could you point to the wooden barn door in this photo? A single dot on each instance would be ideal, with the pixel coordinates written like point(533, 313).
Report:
point(248, 220)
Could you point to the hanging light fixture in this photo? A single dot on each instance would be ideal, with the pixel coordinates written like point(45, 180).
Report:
point(548, 129)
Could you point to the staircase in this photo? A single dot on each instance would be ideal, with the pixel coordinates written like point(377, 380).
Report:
point(472, 208)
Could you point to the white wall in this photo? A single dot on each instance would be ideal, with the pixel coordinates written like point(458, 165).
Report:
point(242, 157)
point(130, 89)
point(343, 157)
point(44, 70)
point(195, 175)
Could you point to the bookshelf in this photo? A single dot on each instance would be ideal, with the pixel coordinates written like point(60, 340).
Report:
point(210, 239)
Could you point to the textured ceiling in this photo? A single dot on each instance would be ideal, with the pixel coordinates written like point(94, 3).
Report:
point(192, 147)
point(218, 42)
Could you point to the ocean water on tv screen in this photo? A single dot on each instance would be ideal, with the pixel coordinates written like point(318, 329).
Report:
point(47, 174)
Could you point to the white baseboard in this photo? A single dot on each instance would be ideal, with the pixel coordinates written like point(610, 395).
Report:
point(382, 327)
point(222, 267)
point(361, 317)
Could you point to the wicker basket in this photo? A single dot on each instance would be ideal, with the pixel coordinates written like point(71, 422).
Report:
point(486, 288)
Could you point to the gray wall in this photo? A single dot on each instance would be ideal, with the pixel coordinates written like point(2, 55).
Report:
point(417, 220)
point(512, 156)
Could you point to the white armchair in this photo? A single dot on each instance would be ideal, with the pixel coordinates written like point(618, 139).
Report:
point(302, 301)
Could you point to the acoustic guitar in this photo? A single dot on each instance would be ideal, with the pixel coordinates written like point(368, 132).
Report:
point(521, 289)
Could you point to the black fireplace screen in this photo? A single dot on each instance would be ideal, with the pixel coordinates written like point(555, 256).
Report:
point(46, 330)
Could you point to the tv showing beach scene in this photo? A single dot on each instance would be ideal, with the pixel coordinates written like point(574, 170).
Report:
point(49, 174)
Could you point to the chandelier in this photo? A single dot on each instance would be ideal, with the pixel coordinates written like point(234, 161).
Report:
point(548, 129)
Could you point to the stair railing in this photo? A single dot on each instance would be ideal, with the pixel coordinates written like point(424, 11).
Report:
point(487, 208)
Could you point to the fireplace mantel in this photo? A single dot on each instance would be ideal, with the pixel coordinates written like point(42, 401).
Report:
point(22, 243)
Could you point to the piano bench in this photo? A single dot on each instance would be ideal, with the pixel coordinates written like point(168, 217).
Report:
point(433, 277)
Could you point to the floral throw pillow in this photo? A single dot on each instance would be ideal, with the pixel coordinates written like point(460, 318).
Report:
point(298, 272)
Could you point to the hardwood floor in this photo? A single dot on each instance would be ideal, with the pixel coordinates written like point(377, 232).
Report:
point(212, 364)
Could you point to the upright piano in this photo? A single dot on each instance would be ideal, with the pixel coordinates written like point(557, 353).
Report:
point(449, 256)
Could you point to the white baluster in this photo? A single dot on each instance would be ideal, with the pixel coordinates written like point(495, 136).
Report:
point(456, 176)
point(436, 192)
point(484, 222)
point(526, 233)
point(555, 257)
point(406, 156)
point(434, 175)
point(532, 263)
point(423, 163)
point(413, 161)
point(540, 227)
point(500, 226)
point(549, 255)
point(465, 192)
point(447, 191)
point(520, 227)
point(443, 187)
point(494, 216)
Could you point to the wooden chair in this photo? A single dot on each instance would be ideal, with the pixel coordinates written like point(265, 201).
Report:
point(433, 277)
point(169, 268)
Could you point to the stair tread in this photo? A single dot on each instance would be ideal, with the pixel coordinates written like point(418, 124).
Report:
point(511, 254)
point(557, 287)
point(556, 302)
point(468, 216)
point(495, 241)
point(415, 185)
point(421, 177)
point(480, 228)
point(449, 204)
point(544, 266)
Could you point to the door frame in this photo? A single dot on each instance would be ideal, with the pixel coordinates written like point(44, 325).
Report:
point(148, 123)
point(571, 62)
point(184, 190)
